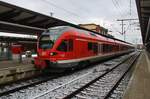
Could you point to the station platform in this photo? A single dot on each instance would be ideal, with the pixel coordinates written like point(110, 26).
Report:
point(139, 85)
point(12, 70)
point(14, 63)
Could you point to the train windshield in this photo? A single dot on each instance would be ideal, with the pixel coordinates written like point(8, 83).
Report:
point(46, 42)
point(49, 37)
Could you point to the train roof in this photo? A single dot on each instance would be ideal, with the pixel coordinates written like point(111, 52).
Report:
point(92, 33)
point(101, 34)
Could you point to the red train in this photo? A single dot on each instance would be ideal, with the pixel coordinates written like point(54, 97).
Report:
point(67, 47)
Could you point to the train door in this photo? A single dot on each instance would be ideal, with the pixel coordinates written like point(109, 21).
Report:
point(66, 46)
point(95, 48)
point(70, 48)
point(80, 49)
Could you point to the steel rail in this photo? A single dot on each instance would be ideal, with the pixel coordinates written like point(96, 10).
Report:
point(39, 95)
point(69, 96)
point(41, 81)
point(118, 82)
point(93, 81)
point(29, 85)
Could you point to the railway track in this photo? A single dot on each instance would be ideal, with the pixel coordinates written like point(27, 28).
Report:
point(25, 84)
point(102, 84)
point(108, 65)
point(98, 82)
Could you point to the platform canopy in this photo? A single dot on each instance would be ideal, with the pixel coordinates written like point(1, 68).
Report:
point(143, 7)
point(16, 39)
point(19, 20)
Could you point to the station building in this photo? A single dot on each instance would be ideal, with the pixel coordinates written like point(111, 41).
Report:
point(96, 28)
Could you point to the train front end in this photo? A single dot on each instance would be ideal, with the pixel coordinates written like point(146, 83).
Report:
point(47, 54)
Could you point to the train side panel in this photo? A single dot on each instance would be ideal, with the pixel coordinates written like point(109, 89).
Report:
point(74, 47)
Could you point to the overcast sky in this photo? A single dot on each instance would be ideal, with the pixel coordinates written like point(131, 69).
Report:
point(102, 12)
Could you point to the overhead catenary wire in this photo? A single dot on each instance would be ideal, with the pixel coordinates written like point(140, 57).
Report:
point(120, 8)
point(115, 28)
point(117, 7)
point(127, 28)
point(116, 4)
point(61, 8)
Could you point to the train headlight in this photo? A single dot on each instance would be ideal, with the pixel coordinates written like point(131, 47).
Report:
point(53, 53)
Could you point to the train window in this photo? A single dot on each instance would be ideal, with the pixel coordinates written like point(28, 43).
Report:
point(104, 48)
point(95, 48)
point(110, 48)
point(66, 45)
point(89, 45)
point(63, 46)
point(107, 48)
point(117, 47)
point(70, 43)
point(45, 42)
point(55, 32)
